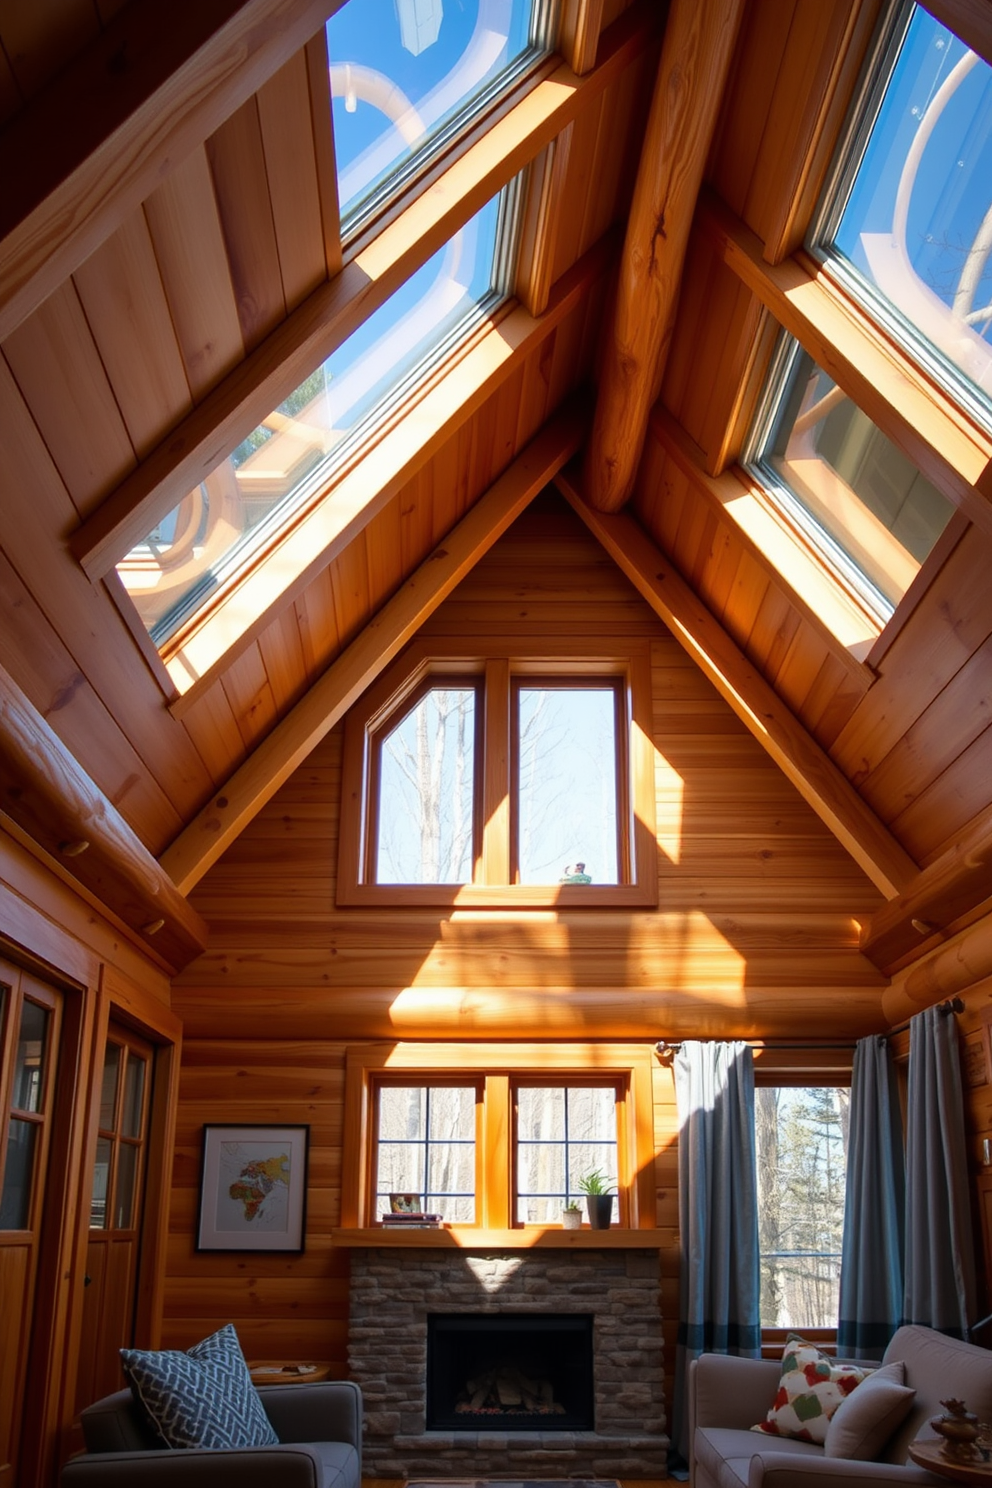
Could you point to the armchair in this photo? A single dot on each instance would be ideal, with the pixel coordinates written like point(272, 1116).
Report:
point(728, 1395)
point(320, 1445)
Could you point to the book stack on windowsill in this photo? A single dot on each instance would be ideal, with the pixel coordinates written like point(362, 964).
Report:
point(411, 1220)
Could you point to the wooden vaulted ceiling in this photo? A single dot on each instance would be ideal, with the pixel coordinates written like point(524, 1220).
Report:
point(171, 266)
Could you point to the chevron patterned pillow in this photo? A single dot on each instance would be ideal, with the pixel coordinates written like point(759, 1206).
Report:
point(201, 1398)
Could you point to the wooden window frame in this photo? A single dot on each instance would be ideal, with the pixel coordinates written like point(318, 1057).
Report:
point(620, 1084)
point(381, 1080)
point(497, 666)
point(498, 1069)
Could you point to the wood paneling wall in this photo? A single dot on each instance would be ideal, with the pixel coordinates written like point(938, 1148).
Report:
point(755, 931)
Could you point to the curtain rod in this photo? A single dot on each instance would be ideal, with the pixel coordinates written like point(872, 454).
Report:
point(669, 1046)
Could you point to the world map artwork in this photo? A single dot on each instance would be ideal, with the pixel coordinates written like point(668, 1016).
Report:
point(254, 1186)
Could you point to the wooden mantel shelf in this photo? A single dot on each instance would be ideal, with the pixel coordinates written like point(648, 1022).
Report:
point(467, 1237)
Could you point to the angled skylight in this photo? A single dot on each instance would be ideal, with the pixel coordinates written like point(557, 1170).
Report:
point(909, 222)
point(407, 76)
point(855, 498)
point(285, 464)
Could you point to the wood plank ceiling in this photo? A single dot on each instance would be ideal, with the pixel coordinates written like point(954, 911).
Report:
point(163, 323)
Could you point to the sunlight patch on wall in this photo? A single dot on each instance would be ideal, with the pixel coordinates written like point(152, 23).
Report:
point(669, 792)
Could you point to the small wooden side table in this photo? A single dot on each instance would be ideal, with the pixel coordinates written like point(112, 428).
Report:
point(931, 1455)
point(288, 1372)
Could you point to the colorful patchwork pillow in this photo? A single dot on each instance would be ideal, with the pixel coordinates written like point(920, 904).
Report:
point(202, 1398)
point(810, 1389)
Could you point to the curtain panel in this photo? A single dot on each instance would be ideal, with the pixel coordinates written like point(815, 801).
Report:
point(873, 1245)
point(940, 1256)
point(719, 1274)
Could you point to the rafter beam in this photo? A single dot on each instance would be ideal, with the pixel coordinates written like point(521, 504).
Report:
point(87, 151)
point(756, 704)
point(946, 891)
point(50, 797)
point(334, 310)
point(275, 759)
point(695, 58)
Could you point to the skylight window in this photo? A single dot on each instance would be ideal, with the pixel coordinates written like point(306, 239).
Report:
point(908, 222)
point(286, 464)
point(855, 498)
point(407, 76)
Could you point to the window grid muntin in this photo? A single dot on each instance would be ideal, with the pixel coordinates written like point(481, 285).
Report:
point(569, 1086)
point(876, 75)
point(380, 1196)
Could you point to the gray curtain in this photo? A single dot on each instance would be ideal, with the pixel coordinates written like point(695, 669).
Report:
point(940, 1259)
point(871, 1273)
point(719, 1276)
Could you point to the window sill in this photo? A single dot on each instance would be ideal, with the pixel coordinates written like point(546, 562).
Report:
point(500, 896)
point(469, 1237)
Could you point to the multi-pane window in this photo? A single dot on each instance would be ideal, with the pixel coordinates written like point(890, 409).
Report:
point(26, 1119)
point(409, 76)
point(844, 485)
point(801, 1149)
point(563, 1133)
point(426, 1141)
point(907, 225)
point(120, 1141)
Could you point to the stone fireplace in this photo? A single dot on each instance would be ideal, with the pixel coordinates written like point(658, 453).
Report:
point(394, 1293)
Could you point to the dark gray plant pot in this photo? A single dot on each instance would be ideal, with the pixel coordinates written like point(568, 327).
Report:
point(600, 1209)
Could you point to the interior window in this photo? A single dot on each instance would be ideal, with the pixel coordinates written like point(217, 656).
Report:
point(908, 222)
point(425, 790)
point(568, 783)
point(801, 1148)
point(408, 76)
point(425, 1150)
point(864, 506)
point(564, 1133)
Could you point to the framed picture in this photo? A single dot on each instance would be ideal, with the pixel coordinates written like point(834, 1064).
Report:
point(405, 1203)
point(254, 1187)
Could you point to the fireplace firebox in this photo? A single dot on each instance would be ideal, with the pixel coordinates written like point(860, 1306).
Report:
point(510, 1372)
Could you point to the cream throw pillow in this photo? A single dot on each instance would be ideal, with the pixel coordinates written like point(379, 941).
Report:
point(862, 1424)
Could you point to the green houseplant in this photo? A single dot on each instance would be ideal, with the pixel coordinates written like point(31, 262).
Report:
point(599, 1198)
point(571, 1215)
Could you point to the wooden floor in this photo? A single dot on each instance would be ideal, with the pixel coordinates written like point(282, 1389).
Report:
point(624, 1482)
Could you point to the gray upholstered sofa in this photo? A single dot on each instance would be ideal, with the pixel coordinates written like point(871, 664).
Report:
point(320, 1446)
point(728, 1395)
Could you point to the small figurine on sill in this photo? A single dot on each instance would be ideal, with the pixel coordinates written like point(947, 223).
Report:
point(576, 874)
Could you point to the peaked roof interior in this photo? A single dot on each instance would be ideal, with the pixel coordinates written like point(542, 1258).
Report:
point(172, 267)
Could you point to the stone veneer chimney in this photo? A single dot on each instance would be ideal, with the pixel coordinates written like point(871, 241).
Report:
point(393, 1291)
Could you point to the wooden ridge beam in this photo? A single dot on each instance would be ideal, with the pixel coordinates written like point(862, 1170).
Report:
point(51, 798)
point(695, 59)
point(335, 309)
point(910, 410)
point(953, 886)
point(86, 152)
point(953, 967)
point(759, 707)
point(275, 759)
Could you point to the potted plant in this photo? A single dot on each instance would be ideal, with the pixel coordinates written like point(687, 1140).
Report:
point(599, 1198)
point(571, 1216)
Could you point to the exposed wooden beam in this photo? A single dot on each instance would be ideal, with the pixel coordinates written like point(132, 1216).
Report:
point(86, 152)
point(334, 310)
point(954, 886)
point(952, 967)
point(578, 39)
point(780, 733)
point(911, 410)
point(248, 790)
point(539, 228)
point(49, 796)
point(695, 57)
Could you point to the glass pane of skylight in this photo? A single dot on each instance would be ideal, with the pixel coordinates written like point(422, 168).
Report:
point(567, 784)
point(288, 460)
point(406, 74)
point(913, 220)
point(863, 503)
point(426, 818)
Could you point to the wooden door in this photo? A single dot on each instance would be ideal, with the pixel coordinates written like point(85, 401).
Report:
point(116, 1212)
point(30, 1019)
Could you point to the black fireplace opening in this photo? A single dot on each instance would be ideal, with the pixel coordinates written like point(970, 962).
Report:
point(509, 1372)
